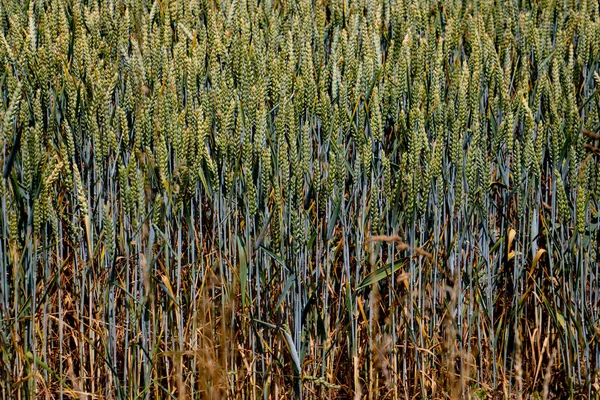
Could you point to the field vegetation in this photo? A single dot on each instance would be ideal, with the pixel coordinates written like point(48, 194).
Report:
point(269, 199)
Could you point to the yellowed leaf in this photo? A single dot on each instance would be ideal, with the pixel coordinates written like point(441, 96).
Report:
point(165, 280)
point(511, 236)
point(537, 257)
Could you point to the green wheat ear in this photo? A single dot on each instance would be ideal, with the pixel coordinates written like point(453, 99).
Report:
point(11, 113)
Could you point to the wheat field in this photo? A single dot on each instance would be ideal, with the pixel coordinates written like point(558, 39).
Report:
point(312, 199)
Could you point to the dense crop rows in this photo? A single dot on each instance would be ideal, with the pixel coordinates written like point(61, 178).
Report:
point(271, 198)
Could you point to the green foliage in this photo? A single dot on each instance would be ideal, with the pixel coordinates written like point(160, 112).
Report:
point(308, 199)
